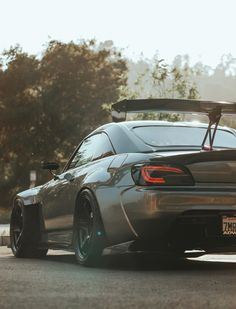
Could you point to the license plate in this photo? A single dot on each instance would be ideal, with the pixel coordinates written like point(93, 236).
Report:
point(229, 225)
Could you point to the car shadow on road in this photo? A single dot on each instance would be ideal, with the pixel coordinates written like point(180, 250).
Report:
point(151, 262)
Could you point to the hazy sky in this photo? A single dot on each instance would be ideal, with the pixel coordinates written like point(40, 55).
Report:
point(204, 29)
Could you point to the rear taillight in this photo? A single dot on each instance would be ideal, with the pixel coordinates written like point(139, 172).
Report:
point(161, 175)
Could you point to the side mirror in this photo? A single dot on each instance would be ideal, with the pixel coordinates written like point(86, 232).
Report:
point(52, 166)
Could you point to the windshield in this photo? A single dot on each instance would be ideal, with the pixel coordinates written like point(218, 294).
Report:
point(164, 136)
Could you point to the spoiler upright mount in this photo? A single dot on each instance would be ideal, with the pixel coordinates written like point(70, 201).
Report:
point(214, 110)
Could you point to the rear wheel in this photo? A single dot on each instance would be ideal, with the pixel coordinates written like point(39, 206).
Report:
point(22, 234)
point(89, 236)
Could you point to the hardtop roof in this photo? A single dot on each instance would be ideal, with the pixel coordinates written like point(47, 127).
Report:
point(143, 123)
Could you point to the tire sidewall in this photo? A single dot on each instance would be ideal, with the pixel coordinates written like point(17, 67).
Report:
point(17, 250)
point(27, 247)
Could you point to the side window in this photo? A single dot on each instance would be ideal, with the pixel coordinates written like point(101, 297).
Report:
point(103, 147)
point(93, 148)
point(83, 155)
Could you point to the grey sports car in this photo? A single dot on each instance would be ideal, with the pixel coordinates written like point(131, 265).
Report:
point(155, 185)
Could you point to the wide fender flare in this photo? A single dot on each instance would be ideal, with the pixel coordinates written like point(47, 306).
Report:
point(29, 197)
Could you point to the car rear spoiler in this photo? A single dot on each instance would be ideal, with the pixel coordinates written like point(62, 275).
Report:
point(120, 109)
point(214, 110)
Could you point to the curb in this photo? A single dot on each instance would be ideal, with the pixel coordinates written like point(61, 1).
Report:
point(4, 235)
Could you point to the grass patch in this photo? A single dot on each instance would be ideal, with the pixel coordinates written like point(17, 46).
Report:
point(5, 216)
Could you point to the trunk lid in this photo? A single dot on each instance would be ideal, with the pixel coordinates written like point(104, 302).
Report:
point(218, 166)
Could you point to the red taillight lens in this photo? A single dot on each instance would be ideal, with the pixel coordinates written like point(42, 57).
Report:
point(151, 174)
point(161, 174)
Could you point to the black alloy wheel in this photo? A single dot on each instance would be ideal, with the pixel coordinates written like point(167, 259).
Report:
point(89, 234)
point(85, 227)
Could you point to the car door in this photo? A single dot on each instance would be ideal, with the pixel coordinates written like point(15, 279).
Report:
point(59, 195)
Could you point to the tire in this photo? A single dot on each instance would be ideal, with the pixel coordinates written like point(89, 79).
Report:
point(89, 235)
point(23, 232)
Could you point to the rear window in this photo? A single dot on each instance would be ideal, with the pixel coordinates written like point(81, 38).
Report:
point(161, 136)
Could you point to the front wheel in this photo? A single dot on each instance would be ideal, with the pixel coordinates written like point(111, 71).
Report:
point(89, 236)
point(22, 233)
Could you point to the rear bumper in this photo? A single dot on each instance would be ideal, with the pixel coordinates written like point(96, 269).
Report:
point(189, 219)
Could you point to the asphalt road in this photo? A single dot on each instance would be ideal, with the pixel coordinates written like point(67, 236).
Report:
point(120, 282)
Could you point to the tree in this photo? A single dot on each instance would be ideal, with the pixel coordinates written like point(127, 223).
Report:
point(157, 79)
point(48, 105)
point(17, 116)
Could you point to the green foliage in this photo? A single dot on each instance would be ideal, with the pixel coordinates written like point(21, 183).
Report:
point(160, 80)
point(48, 105)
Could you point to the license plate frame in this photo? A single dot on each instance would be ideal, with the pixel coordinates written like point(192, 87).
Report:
point(229, 225)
